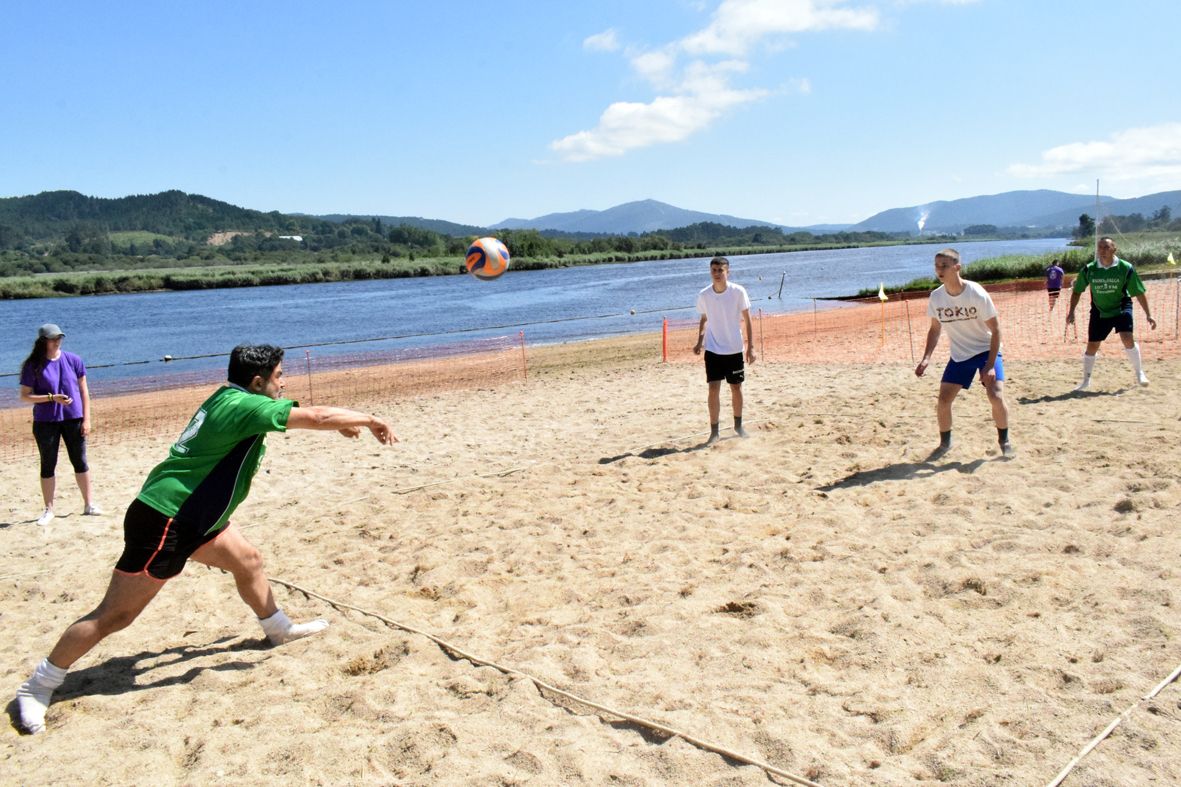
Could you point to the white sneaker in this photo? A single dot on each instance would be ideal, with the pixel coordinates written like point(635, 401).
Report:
point(92, 510)
point(1084, 385)
point(1142, 378)
point(45, 518)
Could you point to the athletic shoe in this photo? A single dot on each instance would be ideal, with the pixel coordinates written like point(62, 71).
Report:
point(92, 510)
point(46, 517)
point(1142, 378)
point(1084, 385)
point(1007, 449)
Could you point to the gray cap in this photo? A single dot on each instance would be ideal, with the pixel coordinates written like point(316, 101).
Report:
point(49, 331)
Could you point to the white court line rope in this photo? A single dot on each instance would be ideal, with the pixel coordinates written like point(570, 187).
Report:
point(481, 662)
point(1110, 727)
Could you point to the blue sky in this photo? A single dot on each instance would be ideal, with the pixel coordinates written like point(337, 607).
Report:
point(793, 111)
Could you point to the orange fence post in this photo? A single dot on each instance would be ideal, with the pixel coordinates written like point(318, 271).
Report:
point(762, 342)
point(909, 332)
point(664, 342)
point(524, 358)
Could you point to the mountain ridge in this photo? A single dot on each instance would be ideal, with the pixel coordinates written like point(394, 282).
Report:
point(195, 216)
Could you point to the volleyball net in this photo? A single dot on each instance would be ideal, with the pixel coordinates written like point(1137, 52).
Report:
point(895, 330)
point(865, 331)
point(160, 404)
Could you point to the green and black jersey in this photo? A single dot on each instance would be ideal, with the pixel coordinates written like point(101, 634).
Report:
point(209, 469)
point(1111, 288)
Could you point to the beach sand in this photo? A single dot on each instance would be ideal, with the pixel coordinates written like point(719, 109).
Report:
point(816, 597)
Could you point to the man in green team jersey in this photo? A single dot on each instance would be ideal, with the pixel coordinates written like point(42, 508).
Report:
point(184, 508)
point(1113, 282)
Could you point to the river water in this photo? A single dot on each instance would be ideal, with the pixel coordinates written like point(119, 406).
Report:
point(123, 336)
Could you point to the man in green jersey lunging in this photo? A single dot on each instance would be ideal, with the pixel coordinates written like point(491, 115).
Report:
point(1113, 283)
point(183, 511)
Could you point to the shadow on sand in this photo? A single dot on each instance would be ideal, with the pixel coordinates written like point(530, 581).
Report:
point(653, 453)
point(902, 471)
point(119, 675)
point(1065, 397)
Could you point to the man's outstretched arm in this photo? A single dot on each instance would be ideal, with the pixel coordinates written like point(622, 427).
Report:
point(348, 422)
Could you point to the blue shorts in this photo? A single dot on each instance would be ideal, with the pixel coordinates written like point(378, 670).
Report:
point(961, 372)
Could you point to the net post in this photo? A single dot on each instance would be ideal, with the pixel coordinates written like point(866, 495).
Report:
point(1176, 305)
point(664, 341)
point(762, 338)
point(909, 332)
point(524, 358)
point(307, 356)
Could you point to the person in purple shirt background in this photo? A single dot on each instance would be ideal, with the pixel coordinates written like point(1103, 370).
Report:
point(1054, 277)
point(54, 382)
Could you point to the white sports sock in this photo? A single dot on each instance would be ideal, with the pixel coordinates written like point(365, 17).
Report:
point(1088, 366)
point(1133, 353)
point(279, 628)
point(33, 697)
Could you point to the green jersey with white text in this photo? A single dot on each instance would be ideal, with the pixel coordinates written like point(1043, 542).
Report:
point(209, 469)
point(1111, 288)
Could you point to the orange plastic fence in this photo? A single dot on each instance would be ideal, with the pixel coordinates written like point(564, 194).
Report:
point(159, 405)
point(873, 331)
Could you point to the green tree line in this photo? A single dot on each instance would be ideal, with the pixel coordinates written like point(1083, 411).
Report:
point(1160, 220)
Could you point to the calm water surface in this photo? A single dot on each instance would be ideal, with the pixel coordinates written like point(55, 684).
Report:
point(127, 335)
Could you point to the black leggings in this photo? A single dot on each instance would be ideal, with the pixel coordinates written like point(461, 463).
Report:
point(49, 435)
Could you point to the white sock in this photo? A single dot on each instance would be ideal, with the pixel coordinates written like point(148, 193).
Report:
point(32, 698)
point(1088, 366)
point(1134, 356)
point(279, 628)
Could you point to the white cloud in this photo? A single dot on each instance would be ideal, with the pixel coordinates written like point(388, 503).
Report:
point(694, 75)
point(1148, 156)
point(905, 3)
point(803, 86)
point(657, 67)
point(738, 25)
point(628, 125)
point(606, 41)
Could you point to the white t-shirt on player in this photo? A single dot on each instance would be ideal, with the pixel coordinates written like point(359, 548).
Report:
point(723, 317)
point(963, 318)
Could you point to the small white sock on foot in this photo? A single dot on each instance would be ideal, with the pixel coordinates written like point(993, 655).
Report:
point(280, 630)
point(34, 695)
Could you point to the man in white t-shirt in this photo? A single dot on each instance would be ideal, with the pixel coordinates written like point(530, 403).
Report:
point(965, 309)
point(724, 307)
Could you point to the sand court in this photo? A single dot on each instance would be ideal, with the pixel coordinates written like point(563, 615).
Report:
point(816, 597)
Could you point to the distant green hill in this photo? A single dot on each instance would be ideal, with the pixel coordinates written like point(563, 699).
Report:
point(434, 225)
point(50, 215)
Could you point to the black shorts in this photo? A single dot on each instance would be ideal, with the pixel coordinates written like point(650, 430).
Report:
point(728, 367)
point(158, 545)
point(1099, 328)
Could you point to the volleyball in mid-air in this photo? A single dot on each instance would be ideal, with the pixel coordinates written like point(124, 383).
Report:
point(487, 258)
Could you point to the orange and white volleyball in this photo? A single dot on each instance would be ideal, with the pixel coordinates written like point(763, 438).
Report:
point(487, 258)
